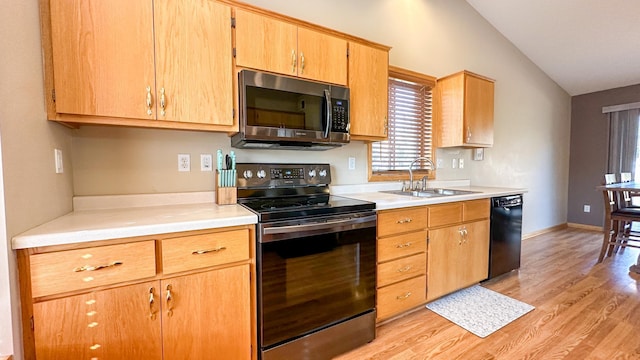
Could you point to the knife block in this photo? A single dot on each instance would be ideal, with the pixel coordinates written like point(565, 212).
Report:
point(225, 195)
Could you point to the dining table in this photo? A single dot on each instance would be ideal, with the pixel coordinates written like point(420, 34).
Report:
point(633, 187)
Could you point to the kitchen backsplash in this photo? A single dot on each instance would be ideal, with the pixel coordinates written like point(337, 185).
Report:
point(111, 160)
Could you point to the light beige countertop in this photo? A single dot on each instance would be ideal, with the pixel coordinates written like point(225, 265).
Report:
point(385, 201)
point(112, 223)
point(114, 217)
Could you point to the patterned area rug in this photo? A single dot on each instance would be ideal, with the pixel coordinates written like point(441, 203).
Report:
point(478, 310)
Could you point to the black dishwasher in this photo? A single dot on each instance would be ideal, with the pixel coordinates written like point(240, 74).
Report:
point(506, 234)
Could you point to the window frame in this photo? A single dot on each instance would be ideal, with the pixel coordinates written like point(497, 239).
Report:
point(415, 77)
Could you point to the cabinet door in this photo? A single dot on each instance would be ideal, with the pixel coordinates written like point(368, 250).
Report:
point(118, 323)
point(444, 261)
point(266, 44)
point(478, 109)
point(322, 57)
point(475, 253)
point(207, 314)
point(193, 62)
point(450, 96)
point(369, 86)
point(103, 57)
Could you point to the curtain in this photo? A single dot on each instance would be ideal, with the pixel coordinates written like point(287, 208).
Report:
point(623, 141)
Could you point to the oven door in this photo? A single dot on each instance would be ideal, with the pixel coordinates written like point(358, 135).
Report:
point(313, 274)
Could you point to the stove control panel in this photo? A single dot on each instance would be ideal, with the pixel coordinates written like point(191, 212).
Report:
point(254, 175)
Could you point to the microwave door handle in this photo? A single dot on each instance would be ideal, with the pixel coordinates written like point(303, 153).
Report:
point(329, 117)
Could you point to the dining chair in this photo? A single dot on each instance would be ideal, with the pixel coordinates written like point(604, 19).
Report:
point(618, 220)
point(628, 196)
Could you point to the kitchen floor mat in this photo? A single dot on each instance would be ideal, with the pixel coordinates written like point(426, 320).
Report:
point(479, 310)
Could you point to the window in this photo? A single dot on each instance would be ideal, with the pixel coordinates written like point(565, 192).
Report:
point(409, 128)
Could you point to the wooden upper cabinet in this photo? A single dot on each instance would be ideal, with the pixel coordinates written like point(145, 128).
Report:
point(119, 62)
point(194, 73)
point(103, 57)
point(269, 44)
point(265, 43)
point(466, 110)
point(369, 86)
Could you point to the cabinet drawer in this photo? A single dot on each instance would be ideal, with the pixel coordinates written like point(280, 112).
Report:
point(446, 214)
point(394, 299)
point(402, 245)
point(475, 209)
point(71, 270)
point(401, 221)
point(402, 269)
point(199, 251)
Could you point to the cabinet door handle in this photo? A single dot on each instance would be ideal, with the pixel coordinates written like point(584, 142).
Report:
point(468, 133)
point(169, 301)
point(152, 313)
point(404, 221)
point(162, 102)
point(301, 62)
point(403, 297)
point(98, 267)
point(149, 101)
point(400, 246)
point(294, 61)
point(200, 252)
point(405, 269)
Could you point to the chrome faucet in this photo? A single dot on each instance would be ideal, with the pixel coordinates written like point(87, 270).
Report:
point(433, 167)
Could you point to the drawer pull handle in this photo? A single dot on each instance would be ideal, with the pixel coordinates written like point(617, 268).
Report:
point(404, 221)
point(94, 268)
point(405, 269)
point(200, 252)
point(403, 297)
point(169, 301)
point(152, 313)
point(400, 246)
point(149, 102)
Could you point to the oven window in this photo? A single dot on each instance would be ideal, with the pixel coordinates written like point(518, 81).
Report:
point(312, 282)
point(283, 109)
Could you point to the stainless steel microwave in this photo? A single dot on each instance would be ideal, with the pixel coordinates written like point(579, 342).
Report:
point(279, 112)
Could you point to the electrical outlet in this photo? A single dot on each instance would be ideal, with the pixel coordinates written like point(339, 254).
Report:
point(454, 163)
point(586, 208)
point(184, 162)
point(57, 154)
point(206, 162)
point(439, 164)
point(461, 163)
point(352, 163)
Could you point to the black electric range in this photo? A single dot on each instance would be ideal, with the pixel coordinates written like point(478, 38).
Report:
point(287, 191)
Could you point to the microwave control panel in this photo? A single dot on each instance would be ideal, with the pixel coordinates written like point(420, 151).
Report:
point(340, 116)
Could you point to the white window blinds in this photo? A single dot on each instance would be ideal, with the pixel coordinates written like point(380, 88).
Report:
point(409, 131)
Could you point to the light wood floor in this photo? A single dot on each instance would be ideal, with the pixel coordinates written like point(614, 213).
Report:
point(583, 310)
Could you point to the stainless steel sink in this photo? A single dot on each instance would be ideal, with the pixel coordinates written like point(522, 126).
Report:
point(430, 192)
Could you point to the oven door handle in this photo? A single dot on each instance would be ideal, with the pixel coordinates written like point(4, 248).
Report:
point(318, 225)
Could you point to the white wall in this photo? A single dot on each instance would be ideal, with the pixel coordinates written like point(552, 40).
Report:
point(32, 192)
point(436, 37)
point(532, 113)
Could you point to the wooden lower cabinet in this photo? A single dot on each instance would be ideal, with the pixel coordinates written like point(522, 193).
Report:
point(186, 317)
point(458, 257)
point(107, 324)
point(398, 298)
point(402, 243)
point(196, 302)
point(207, 314)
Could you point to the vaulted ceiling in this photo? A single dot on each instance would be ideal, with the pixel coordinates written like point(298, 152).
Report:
point(583, 45)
